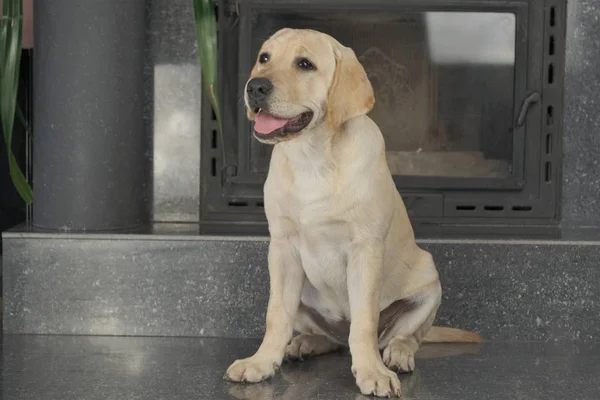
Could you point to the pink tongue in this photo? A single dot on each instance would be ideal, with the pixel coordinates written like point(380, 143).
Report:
point(266, 123)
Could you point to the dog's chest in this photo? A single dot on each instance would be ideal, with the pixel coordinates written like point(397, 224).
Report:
point(322, 241)
point(318, 212)
point(323, 251)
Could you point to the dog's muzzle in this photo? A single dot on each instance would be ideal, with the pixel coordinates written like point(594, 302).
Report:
point(258, 91)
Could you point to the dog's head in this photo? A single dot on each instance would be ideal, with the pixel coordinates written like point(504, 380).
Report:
point(302, 79)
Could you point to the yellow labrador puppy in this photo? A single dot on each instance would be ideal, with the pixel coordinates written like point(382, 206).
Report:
point(343, 263)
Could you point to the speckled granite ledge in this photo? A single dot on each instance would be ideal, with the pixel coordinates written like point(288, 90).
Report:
point(188, 285)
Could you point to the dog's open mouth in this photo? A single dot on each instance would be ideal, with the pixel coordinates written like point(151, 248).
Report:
point(268, 126)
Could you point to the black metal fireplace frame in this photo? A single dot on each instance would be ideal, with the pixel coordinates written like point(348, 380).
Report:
point(231, 195)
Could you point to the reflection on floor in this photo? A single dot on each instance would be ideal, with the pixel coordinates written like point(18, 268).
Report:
point(118, 368)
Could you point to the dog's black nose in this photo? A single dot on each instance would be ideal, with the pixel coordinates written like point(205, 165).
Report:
point(259, 88)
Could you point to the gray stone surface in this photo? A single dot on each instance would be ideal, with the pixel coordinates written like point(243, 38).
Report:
point(185, 285)
point(135, 287)
point(112, 368)
point(520, 291)
point(581, 166)
point(173, 109)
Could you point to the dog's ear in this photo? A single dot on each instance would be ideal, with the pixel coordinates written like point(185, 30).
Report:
point(351, 93)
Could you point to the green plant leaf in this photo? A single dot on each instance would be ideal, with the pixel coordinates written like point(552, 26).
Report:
point(10, 61)
point(206, 36)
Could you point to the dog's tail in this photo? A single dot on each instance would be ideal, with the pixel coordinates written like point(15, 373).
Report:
point(439, 334)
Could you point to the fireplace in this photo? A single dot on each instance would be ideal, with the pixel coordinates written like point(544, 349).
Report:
point(468, 97)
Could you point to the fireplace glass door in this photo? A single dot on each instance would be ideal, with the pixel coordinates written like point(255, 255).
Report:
point(468, 96)
point(445, 87)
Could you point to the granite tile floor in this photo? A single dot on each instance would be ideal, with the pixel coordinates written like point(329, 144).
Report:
point(130, 368)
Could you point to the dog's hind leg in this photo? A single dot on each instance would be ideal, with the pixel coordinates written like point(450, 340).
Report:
point(403, 327)
point(307, 345)
point(316, 335)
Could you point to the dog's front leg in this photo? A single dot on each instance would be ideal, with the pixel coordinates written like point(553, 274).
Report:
point(286, 281)
point(365, 268)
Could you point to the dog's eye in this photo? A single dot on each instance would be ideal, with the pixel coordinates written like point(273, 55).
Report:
point(263, 58)
point(305, 64)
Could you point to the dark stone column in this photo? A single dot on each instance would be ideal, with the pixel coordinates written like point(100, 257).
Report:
point(92, 151)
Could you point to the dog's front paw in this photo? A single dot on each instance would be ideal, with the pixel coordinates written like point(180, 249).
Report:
point(377, 380)
point(253, 369)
